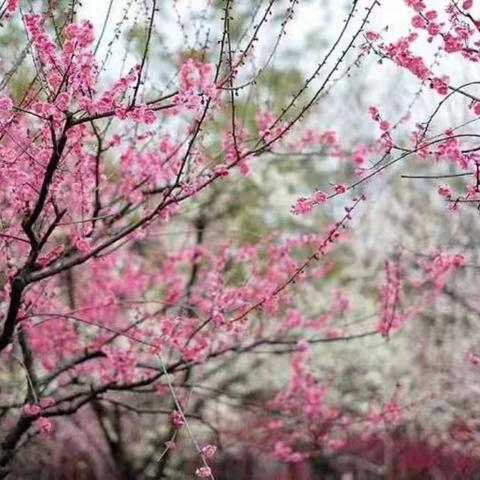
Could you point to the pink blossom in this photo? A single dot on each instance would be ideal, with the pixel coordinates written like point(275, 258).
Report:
point(320, 197)
point(203, 472)
point(6, 106)
point(452, 43)
point(177, 419)
point(374, 113)
point(391, 414)
point(209, 450)
point(294, 318)
point(458, 260)
point(440, 85)
point(32, 409)
point(284, 452)
point(372, 36)
point(46, 402)
point(329, 137)
point(302, 206)
point(445, 191)
point(341, 302)
point(221, 170)
point(333, 332)
point(418, 22)
point(44, 425)
point(360, 154)
point(12, 6)
point(417, 5)
point(474, 358)
point(384, 125)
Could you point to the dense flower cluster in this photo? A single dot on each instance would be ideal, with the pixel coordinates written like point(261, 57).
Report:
point(98, 299)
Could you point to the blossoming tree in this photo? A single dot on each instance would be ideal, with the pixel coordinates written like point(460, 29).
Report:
point(111, 318)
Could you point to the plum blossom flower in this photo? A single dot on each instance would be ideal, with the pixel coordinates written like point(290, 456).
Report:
point(320, 197)
point(302, 206)
point(474, 358)
point(44, 425)
point(444, 191)
point(203, 472)
point(177, 419)
point(32, 409)
point(6, 106)
point(209, 450)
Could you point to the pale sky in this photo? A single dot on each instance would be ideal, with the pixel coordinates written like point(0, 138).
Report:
point(309, 15)
point(322, 16)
